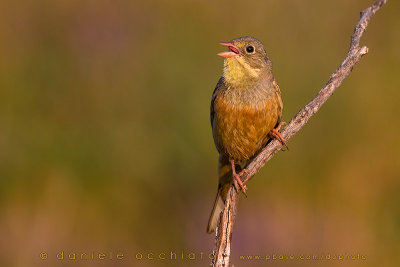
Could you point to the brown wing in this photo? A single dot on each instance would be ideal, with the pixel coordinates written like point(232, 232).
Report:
point(279, 96)
point(220, 86)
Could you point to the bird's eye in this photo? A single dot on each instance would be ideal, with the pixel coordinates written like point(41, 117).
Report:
point(250, 49)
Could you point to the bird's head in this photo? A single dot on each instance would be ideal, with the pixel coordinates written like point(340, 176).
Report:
point(245, 60)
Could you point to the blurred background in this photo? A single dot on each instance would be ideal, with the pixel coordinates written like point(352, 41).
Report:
point(106, 146)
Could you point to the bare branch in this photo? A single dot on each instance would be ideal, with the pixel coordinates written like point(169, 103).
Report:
point(225, 225)
point(224, 234)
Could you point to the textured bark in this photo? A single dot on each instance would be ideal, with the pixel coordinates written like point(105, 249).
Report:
point(224, 231)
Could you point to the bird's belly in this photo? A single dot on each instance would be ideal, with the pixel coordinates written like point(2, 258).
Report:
point(241, 131)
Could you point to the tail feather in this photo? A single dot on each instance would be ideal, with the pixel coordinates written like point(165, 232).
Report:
point(225, 181)
point(218, 206)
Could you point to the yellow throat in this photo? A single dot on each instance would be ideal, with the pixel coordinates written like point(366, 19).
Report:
point(238, 72)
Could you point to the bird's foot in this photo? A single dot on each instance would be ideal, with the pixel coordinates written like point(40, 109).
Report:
point(274, 133)
point(237, 182)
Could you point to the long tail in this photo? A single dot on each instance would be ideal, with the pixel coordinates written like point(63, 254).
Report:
point(225, 181)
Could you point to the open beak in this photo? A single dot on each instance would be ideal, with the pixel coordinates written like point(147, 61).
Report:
point(234, 51)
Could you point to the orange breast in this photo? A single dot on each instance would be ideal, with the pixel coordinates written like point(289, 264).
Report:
point(239, 130)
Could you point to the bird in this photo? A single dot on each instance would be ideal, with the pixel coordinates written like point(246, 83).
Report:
point(246, 110)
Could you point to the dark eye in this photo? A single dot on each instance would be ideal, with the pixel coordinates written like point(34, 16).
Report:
point(250, 49)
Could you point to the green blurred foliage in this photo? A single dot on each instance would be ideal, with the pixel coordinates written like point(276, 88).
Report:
point(105, 139)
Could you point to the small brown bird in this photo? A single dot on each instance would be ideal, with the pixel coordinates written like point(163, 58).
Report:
point(246, 109)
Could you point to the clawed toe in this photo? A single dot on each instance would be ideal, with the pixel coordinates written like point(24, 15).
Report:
point(277, 135)
point(237, 182)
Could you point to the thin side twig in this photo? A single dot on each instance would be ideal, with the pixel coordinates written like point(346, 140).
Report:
point(223, 239)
